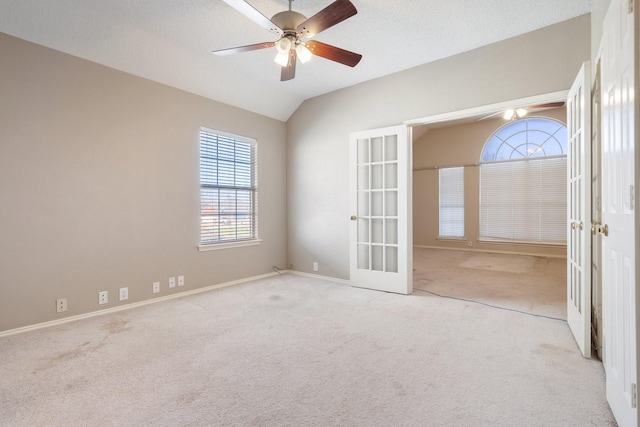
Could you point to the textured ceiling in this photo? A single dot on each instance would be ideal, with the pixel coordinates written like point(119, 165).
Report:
point(170, 41)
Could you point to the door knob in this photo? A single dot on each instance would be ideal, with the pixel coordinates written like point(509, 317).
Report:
point(353, 217)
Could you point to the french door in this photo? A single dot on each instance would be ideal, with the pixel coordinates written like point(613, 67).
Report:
point(380, 210)
point(579, 210)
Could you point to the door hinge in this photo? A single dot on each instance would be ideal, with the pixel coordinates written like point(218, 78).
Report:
point(634, 395)
point(597, 228)
point(631, 6)
point(632, 197)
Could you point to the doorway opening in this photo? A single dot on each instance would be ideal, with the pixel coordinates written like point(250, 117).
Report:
point(473, 269)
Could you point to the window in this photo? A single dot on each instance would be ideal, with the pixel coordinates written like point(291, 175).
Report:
point(451, 203)
point(523, 190)
point(228, 195)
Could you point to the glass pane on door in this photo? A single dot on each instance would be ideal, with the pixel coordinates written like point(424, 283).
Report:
point(377, 204)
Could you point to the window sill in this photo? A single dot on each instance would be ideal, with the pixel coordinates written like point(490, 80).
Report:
point(451, 238)
point(230, 245)
point(519, 242)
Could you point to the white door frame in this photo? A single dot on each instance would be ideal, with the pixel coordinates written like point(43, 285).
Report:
point(488, 109)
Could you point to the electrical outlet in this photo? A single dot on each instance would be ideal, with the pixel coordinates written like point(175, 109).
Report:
point(156, 287)
point(61, 305)
point(470, 243)
point(103, 297)
point(124, 294)
point(315, 266)
point(172, 282)
point(180, 280)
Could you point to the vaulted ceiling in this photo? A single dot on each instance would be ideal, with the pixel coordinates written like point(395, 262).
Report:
point(170, 41)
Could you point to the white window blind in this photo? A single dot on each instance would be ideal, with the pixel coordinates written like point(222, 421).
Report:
point(228, 194)
point(524, 201)
point(451, 193)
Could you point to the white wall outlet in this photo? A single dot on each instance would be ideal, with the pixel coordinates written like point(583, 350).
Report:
point(172, 282)
point(103, 297)
point(180, 280)
point(156, 287)
point(61, 305)
point(315, 266)
point(124, 294)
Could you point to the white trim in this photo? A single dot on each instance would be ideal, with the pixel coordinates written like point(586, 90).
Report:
point(520, 242)
point(238, 244)
point(544, 255)
point(318, 276)
point(489, 109)
point(130, 306)
point(247, 139)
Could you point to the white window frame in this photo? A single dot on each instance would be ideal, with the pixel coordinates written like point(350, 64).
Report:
point(228, 190)
point(451, 203)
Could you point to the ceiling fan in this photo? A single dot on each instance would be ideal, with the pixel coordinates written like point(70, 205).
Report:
point(518, 113)
point(293, 27)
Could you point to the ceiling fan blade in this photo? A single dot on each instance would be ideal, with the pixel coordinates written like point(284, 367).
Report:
point(557, 104)
point(289, 72)
point(331, 15)
point(240, 49)
point(252, 13)
point(490, 116)
point(333, 53)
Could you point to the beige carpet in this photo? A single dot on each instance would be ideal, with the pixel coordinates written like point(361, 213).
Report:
point(294, 351)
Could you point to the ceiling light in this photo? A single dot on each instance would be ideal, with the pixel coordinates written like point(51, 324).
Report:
point(303, 53)
point(512, 114)
point(509, 114)
point(282, 58)
point(283, 45)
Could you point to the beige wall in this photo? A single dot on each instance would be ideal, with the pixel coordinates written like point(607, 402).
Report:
point(99, 169)
point(318, 132)
point(458, 145)
point(99, 186)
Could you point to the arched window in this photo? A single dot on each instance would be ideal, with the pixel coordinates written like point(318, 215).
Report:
point(522, 139)
point(523, 189)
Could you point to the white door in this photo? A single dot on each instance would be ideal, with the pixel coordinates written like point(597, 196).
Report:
point(380, 231)
point(579, 210)
point(618, 211)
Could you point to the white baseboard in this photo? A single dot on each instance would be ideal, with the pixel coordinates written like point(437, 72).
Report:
point(130, 306)
point(489, 251)
point(320, 277)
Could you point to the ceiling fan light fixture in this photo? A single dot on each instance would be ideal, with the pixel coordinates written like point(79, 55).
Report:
point(282, 58)
point(283, 46)
point(509, 114)
point(304, 54)
point(512, 114)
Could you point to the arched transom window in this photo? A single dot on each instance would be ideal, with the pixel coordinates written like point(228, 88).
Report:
point(525, 138)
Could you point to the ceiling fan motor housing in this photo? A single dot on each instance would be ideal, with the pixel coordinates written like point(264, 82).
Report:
point(288, 20)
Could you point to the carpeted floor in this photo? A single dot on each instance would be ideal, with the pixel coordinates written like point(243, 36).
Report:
point(297, 351)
